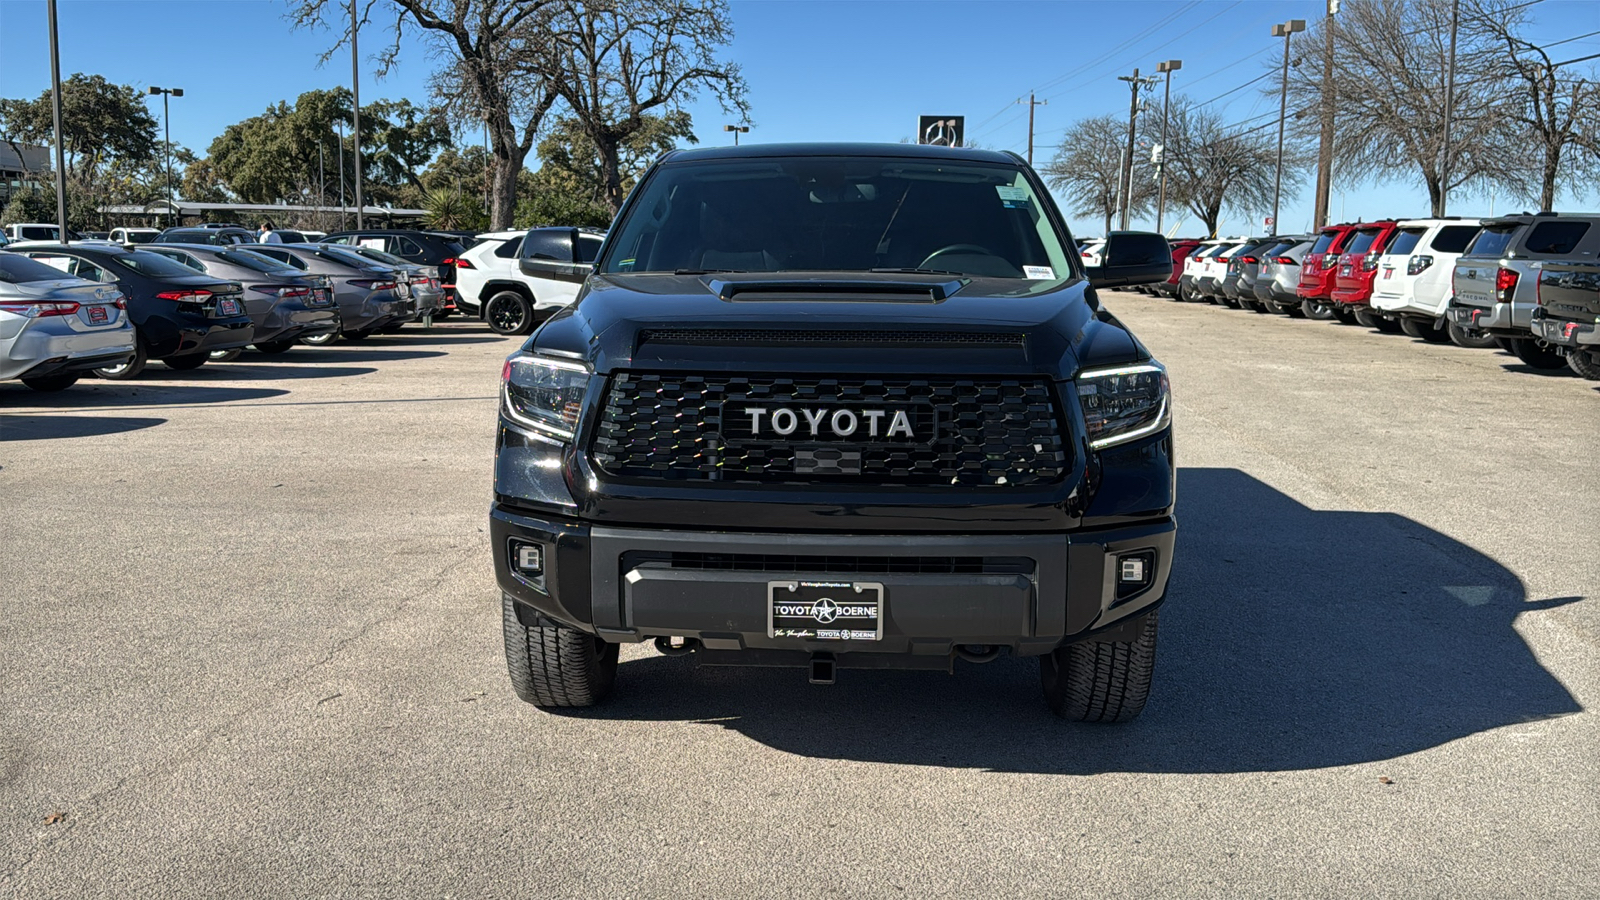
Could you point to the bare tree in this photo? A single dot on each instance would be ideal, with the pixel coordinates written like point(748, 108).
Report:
point(612, 62)
point(483, 41)
point(1554, 114)
point(1212, 165)
point(1390, 64)
point(1087, 169)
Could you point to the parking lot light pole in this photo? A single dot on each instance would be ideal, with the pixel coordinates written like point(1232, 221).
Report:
point(166, 124)
point(355, 94)
point(1164, 68)
point(737, 130)
point(55, 112)
point(1285, 31)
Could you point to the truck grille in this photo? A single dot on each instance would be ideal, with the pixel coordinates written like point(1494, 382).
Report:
point(967, 432)
point(838, 564)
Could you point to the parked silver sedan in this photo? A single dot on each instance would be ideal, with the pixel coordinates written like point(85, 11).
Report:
point(421, 283)
point(56, 327)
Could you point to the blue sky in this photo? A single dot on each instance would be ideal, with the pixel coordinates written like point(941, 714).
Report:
point(817, 70)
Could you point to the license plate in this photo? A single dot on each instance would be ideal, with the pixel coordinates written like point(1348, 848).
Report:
point(403, 289)
point(98, 315)
point(1344, 270)
point(825, 610)
point(227, 307)
point(321, 296)
point(1388, 273)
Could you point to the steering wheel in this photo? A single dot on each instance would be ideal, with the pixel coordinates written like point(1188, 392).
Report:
point(955, 248)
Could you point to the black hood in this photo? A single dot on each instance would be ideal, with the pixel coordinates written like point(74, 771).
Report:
point(838, 322)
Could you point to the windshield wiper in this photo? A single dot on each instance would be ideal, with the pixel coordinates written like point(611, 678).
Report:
point(912, 270)
point(706, 271)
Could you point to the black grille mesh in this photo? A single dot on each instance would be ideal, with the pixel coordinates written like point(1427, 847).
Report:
point(986, 432)
point(811, 336)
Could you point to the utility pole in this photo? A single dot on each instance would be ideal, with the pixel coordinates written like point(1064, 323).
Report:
point(1134, 83)
point(1166, 68)
point(55, 112)
point(322, 189)
point(1031, 104)
point(1285, 31)
point(355, 92)
point(343, 213)
point(1449, 110)
point(1325, 146)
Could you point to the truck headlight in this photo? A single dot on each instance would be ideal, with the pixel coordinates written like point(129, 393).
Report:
point(1124, 404)
point(543, 393)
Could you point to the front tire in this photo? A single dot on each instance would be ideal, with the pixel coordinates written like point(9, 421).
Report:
point(509, 313)
point(1534, 356)
point(51, 383)
point(1315, 309)
point(555, 667)
point(1101, 681)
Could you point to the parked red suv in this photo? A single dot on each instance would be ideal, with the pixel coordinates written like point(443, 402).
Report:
point(1316, 270)
point(1358, 266)
point(1181, 248)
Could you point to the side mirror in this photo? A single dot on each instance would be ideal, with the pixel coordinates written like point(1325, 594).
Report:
point(1132, 257)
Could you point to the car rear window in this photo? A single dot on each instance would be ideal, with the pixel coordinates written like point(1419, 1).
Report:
point(1493, 241)
point(1363, 242)
point(509, 249)
point(1324, 241)
point(1556, 238)
point(1407, 240)
point(153, 264)
point(1268, 250)
point(251, 260)
point(1454, 238)
point(17, 269)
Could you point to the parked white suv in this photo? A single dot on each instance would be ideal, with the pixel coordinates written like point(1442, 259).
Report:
point(517, 279)
point(1413, 280)
point(134, 235)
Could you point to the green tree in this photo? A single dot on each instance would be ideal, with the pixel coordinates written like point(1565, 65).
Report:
point(102, 123)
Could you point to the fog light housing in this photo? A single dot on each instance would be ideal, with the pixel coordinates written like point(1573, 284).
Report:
point(527, 559)
point(1135, 572)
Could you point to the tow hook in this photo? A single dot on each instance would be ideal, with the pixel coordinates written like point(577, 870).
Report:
point(822, 668)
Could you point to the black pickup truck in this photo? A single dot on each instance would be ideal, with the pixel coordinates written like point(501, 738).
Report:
point(839, 406)
point(1567, 316)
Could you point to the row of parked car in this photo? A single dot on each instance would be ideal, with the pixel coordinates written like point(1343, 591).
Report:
point(202, 294)
point(1524, 283)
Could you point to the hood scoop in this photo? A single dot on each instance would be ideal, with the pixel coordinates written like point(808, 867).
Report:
point(842, 289)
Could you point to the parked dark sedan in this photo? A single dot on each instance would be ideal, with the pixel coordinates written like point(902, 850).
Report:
point(365, 291)
point(208, 234)
point(439, 249)
point(285, 303)
point(179, 315)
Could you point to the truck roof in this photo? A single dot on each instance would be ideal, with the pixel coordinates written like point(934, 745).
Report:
point(908, 151)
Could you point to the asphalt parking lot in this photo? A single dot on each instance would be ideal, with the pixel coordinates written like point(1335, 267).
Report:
point(251, 648)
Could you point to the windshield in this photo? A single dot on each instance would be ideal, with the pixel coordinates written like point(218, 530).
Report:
point(850, 214)
point(147, 263)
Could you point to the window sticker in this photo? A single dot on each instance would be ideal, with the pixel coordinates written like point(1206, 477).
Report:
point(1038, 273)
point(371, 243)
point(1013, 197)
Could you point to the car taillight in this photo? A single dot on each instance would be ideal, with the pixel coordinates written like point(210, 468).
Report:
point(1330, 261)
point(1505, 283)
point(1418, 263)
point(370, 285)
point(185, 296)
point(1284, 261)
point(1250, 260)
point(1370, 262)
point(465, 264)
point(40, 310)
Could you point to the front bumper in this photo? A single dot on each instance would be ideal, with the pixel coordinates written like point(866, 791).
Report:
point(1029, 592)
point(1566, 333)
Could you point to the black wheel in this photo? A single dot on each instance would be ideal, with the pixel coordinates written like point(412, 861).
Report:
point(226, 355)
point(1580, 361)
point(1315, 309)
point(58, 382)
point(129, 369)
point(509, 312)
point(1387, 326)
point(1415, 327)
point(552, 666)
point(186, 361)
point(1474, 340)
point(1101, 681)
point(275, 346)
point(1539, 356)
point(1344, 315)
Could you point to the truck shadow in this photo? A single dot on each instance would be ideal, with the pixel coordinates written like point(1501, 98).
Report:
point(1292, 639)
